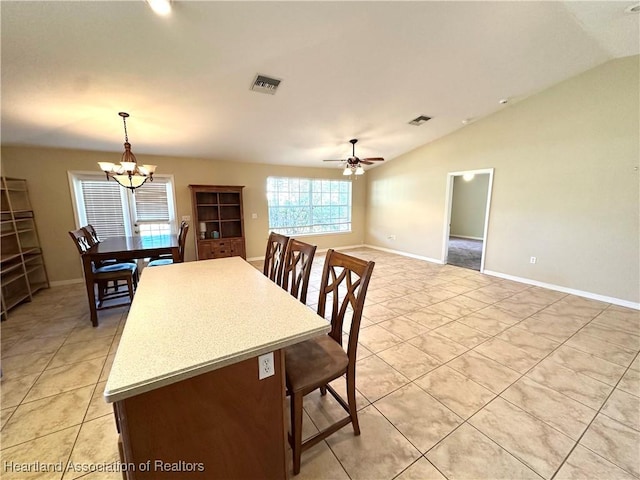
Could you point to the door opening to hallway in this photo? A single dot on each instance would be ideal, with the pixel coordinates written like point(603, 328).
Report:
point(468, 213)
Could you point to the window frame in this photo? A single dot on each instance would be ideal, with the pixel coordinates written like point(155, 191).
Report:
point(311, 205)
point(128, 203)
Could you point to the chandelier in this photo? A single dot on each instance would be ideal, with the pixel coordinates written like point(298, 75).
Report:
point(128, 174)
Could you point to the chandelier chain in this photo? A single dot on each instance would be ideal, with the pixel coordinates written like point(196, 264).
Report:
point(126, 136)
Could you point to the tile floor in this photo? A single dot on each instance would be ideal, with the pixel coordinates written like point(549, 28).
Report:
point(460, 375)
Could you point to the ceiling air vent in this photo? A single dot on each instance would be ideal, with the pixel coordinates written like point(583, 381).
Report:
point(264, 84)
point(419, 120)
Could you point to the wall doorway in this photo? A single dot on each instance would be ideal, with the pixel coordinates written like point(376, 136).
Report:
point(467, 218)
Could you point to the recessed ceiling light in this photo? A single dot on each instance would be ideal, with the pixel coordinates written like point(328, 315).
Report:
point(467, 121)
point(633, 8)
point(503, 101)
point(161, 7)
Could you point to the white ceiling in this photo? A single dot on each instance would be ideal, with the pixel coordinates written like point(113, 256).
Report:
point(348, 69)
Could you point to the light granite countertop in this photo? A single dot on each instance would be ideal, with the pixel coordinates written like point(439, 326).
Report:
point(194, 317)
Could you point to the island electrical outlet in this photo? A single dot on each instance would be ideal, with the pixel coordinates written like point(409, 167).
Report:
point(265, 366)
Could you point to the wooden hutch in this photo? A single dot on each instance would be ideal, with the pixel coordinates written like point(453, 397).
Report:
point(218, 221)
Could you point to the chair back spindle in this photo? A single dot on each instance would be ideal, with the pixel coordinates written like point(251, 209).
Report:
point(298, 260)
point(80, 240)
point(274, 257)
point(92, 235)
point(344, 284)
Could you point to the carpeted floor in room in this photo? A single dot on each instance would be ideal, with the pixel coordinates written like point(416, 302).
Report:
point(465, 253)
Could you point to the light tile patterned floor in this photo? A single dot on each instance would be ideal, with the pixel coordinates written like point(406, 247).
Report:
point(460, 375)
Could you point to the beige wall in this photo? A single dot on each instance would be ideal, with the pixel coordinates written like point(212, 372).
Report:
point(46, 174)
point(565, 187)
point(469, 205)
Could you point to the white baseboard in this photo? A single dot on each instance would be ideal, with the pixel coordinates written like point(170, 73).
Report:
point(558, 288)
point(60, 283)
point(572, 291)
point(464, 236)
point(405, 254)
point(348, 247)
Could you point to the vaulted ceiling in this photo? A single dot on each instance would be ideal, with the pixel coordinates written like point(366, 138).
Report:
point(348, 69)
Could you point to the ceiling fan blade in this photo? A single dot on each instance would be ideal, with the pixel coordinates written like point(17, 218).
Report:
point(354, 162)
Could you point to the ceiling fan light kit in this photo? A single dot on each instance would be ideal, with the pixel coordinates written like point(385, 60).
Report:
point(350, 169)
point(128, 174)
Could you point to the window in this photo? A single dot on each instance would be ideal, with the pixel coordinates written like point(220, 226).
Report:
point(114, 210)
point(308, 206)
point(151, 209)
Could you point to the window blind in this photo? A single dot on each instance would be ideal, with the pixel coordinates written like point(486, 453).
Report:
point(151, 203)
point(103, 207)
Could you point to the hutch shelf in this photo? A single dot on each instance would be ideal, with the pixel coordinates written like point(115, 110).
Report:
point(22, 270)
point(218, 220)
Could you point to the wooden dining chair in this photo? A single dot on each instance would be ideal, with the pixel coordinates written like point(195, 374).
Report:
point(80, 240)
point(93, 239)
point(181, 228)
point(182, 239)
point(91, 234)
point(298, 259)
point(314, 363)
point(274, 257)
point(104, 274)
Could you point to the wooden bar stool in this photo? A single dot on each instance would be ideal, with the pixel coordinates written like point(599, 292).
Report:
point(314, 363)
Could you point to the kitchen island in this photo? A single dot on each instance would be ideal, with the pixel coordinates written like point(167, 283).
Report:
point(198, 379)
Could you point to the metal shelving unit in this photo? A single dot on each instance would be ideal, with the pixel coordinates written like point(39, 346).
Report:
point(22, 269)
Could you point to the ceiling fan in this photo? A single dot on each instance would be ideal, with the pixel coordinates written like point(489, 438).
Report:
point(354, 164)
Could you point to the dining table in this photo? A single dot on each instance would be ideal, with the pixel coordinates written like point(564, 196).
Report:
point(198, 379)
point(124, 248)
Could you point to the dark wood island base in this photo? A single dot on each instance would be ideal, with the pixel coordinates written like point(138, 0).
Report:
point(224, 424)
